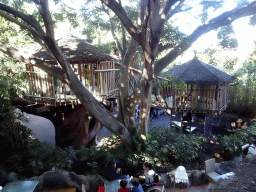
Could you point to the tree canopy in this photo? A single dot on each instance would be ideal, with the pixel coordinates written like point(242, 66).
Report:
point(147, 25)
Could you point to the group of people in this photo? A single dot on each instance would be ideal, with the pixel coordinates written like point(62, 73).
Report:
point(136, 186)
point(140, 184)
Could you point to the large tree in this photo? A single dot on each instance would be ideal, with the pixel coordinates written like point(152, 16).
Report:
point(146, 32)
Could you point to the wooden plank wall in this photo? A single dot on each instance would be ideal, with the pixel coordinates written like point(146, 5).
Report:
point(40, 85)
point(201, 97)
point(99, 78)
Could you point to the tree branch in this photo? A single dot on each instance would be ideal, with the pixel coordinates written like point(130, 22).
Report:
point(43, 8)
point(176, 9)
point(120, 12)
point(223, 19)
point(157, 25)
point(162, 47)
point(123, 36)
point(118, 45)
point(27, 18)
point(23, 25)
point(48, 68)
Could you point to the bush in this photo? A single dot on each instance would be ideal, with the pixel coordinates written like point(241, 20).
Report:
point(167, 146)
point(232, 144)
point(14, 138)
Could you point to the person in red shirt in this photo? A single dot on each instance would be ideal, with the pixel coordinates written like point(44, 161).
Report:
point(101, 188)
point(123, 184)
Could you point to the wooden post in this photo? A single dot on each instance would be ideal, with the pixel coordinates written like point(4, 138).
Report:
point(208, 125)
point(29, 78)
point(187, 94)
point(79, 72)
point(93, 77)
point(181, 122)
point(210, 97)
point(207, 97)
point(196, 92)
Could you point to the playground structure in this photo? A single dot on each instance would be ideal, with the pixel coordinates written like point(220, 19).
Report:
point(94, 68)
point(207, 88)
point(51, 98)
point(206, 94)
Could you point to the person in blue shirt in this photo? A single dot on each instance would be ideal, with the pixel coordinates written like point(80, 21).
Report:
point(137, 187)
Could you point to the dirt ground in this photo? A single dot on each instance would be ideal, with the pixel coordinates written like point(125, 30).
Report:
point(244, 179)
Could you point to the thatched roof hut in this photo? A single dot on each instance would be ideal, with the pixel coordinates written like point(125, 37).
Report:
point(78, 51)
point(207, 87)
point(195, 71)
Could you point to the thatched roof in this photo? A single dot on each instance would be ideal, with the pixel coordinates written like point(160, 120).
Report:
point(78, 51)
point(195, 71)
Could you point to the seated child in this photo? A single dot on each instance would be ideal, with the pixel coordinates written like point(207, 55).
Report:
point(157, 180)
point(123, 184)
point(101, 187)
point(137, 187)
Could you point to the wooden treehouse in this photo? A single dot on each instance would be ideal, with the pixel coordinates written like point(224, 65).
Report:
point(98, 73)
point(94, 68)
point(207, 89)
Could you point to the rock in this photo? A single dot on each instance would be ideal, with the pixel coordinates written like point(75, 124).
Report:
point(65, 179)
point(225, 167)
point(167, 180)
point(23, 178)
point(74, 180)
point(249, 159)
point(53, 180)
point(237, 160)
point(197, 178)
point(12, 177)
point(3, 179)
point(34, 178)
point(91, 182)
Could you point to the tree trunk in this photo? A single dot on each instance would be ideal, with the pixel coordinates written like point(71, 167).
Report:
point(127, 103)
point(146, 87)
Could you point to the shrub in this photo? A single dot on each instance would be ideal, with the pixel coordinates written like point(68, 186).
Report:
point(232, 144)
point(169, 147)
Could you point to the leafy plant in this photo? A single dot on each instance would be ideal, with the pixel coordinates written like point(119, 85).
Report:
point(232, 144)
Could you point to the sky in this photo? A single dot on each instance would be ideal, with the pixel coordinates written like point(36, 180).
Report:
point(244, 33)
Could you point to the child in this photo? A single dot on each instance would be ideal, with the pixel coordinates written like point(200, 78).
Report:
point(101, 187)
point(157, 180)
point(137, 187)
point(123, 184)
point(149, 175)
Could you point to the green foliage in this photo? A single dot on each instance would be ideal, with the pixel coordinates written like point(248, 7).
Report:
point(230, 63)
point(232, 145)
point(167, 146)
point(175, 83)
point(209, 6)
point(225, 37)
point(42, 157)
point(172, 34)
point(245, 104)
point(14, 138)
point(164, 146)
point(155, 88)
point(253, 20)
